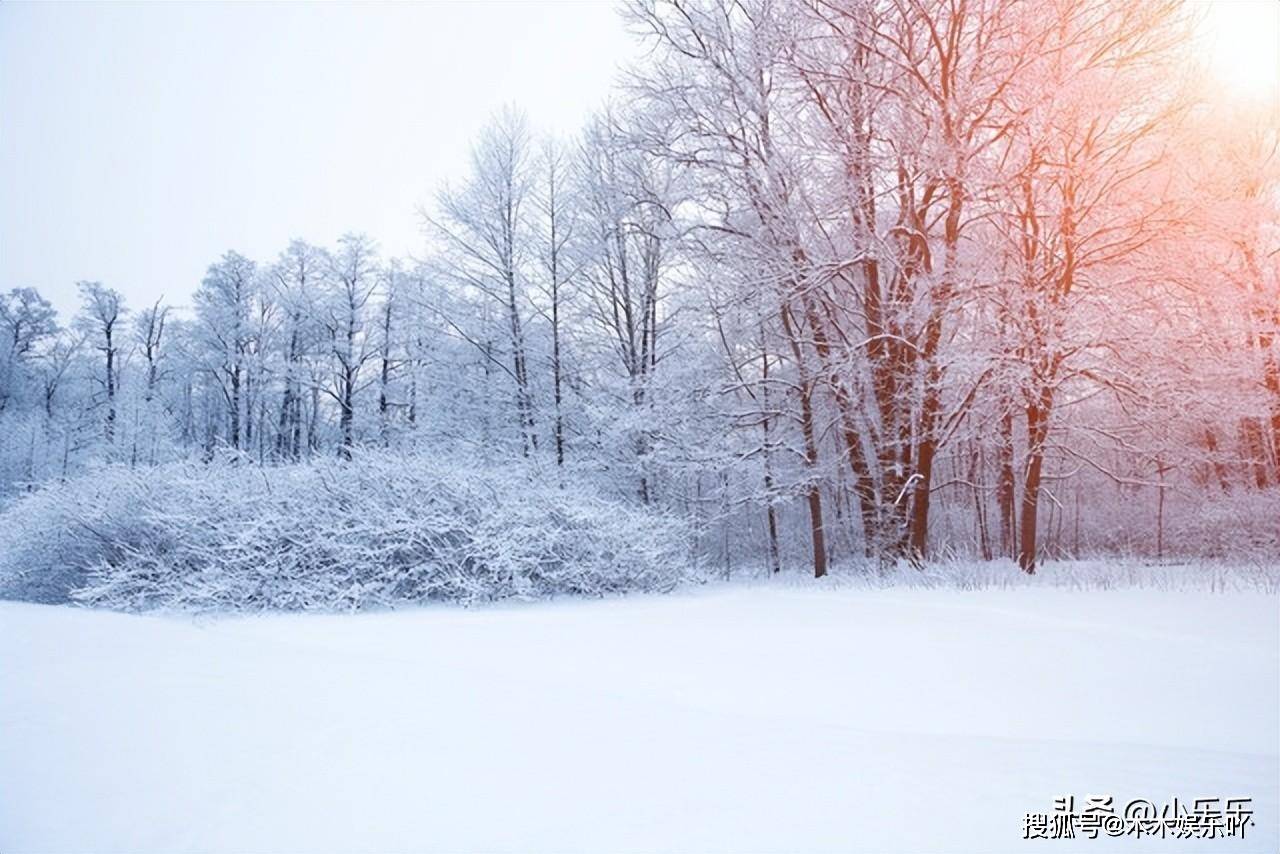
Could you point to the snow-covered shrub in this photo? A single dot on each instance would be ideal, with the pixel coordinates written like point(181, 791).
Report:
point(1231, 526)
point(1088, 574)
point(379, 530)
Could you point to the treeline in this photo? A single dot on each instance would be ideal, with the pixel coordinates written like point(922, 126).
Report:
point(832, 280)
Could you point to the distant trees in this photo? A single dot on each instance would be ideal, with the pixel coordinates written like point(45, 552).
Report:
point(870, 279)
point(26, 320)
point(1238, 182)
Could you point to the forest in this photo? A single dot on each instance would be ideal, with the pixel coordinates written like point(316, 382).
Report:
point(826, 285)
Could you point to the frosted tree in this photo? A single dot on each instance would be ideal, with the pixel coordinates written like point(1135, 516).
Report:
point(354, 273)
point(556, 206)
point(296, 278)
point(1082, 207)
point(26, 319)
point(391, 350)
point(483, 235)
point(715, 80)
point(626, 249)
point(224, 305)
point(101, 312)
point(151, 343)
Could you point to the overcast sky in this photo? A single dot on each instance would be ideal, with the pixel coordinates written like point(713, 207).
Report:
point(139, 142)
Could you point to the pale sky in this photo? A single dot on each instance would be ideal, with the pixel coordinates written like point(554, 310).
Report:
point(140, 142)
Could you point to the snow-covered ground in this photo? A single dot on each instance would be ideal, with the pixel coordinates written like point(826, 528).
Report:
point(734, 719)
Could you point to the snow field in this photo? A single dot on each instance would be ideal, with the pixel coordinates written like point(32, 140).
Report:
point(729, 719)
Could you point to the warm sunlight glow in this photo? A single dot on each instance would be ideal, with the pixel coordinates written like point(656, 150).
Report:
point(1242, 39)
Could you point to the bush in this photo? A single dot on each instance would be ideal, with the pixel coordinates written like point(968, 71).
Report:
point(377, 531)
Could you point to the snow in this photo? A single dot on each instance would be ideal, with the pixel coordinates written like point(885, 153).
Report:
point(758, 718)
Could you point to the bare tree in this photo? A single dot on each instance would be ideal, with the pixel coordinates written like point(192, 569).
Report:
point(26, 319)
point(393, 296)
point(484, 239)
point(148, 328)
point(556, 206)
point(354, 275)
point(224, 305)
point(100, 313)
point(1081, 206)
point(296, 277)
point(627, 197)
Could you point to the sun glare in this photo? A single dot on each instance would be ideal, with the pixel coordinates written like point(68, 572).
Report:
point(1242, 40)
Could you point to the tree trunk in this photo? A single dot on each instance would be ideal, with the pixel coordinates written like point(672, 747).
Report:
point(1037, 432)
point(814, 494)
point(111, 389)
point(347, 417)
point(1005, 485)
point(233, 425)
point(556, 369)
